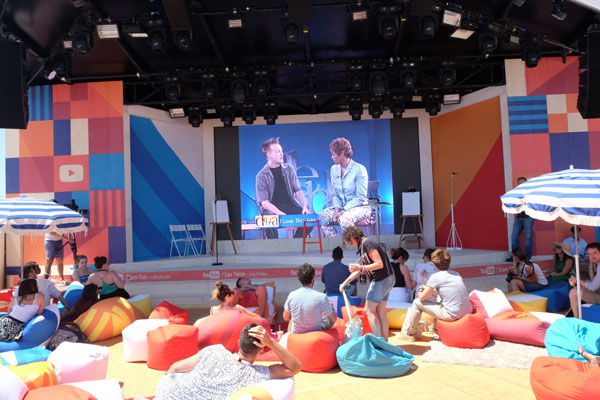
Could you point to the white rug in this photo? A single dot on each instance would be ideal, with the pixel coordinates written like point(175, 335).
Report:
point(497, 354)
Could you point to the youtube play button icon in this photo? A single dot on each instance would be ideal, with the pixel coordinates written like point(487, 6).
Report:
point(71, 173)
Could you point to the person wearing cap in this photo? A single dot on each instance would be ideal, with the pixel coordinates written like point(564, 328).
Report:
point(563, 263)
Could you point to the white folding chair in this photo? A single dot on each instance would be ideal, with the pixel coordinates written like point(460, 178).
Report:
point(179, 234)
point(196, 233)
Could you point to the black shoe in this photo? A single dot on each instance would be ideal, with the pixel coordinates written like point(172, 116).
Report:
point(509, 259)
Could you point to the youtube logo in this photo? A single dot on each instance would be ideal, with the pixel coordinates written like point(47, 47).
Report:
point(71, 173)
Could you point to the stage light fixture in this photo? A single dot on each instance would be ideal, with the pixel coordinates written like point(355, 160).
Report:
point(172, 92)
point(209, 89)
point(183, 40)
point(177, 112)
point(531, 52)
point(194, 116)
point(248, 114)
point(451, 18)
point(261, 87)
point(488, 42)
point(408, 78)
point(239, 91)
point(397, 107)
point(388, 26)
point(375, 108)
point(462, 34)
point(378, 83)
point(359, 15)
point(451, 98)
point(447, 76)
point(292, 34)
point(108, 31)
point(518, 3)
point(227, 115)
point(156, 41)
point(270, 113)
point(432, 105)
point(134, 31)
point(355, 109)
point(82, 42)
point(356, 83)
point(559, 10)
point(427, 26)
point(58, 67)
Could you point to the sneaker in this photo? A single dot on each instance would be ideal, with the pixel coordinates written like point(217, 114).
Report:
point(406, 337)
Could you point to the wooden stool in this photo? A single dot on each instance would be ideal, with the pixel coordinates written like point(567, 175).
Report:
point(418, 234)
point(305, 242)
point(214, 233)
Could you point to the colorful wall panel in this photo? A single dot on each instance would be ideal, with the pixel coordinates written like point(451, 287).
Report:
point(547, 132)
point(72, 149)
point(469, 142)
point(166, 183)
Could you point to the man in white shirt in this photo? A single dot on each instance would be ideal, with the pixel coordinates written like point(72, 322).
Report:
point(590, 290)
point(45, 286)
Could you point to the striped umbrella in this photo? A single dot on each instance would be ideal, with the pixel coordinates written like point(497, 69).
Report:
point(572, 194)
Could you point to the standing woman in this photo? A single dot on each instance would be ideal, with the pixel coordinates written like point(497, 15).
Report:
point(375, 262)
point(527, 276)
point(108, 281)
point(24, 307)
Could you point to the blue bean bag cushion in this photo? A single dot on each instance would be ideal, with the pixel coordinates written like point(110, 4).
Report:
point(37, 331)
point(565, 334)
point(373, 357)
point(72, 294)
point(27, 356)
point(557, 294)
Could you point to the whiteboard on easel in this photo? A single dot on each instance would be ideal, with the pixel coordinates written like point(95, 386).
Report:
point(411, 203)
point(220, 211)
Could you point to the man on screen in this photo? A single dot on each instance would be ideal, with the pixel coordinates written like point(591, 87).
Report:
point(349, 190)
point(278, 189)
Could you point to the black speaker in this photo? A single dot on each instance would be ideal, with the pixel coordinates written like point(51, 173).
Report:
point(14, 109)
point(588, 102)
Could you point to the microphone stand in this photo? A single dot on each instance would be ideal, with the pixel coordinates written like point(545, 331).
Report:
point(216, 235)
point(453, 242)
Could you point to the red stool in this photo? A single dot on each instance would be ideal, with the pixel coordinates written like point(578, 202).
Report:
point(469, 332)
point(305, 242)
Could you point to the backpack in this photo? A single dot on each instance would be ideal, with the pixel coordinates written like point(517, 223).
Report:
point(67, 332)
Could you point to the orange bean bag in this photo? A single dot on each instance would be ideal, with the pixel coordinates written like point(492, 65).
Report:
point(106, 319)
point(315, 350)
point(171, 343)
point(362, 314)
point(554, 378)
point(174, 314)
point(62, 392)
point(225, 328)
point(35, 375)
point(468, 332)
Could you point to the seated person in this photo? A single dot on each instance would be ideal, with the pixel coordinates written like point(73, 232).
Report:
point(335, 273)
point(403, 280)
point(563, 263)
point(525, 276)
point(227, 300)
point(24, 306)
point(424, 270)
point(215, 373)
point(249, 295)
point(109, 282)
point(590, 290)
point(450, 288)
point(581, 244)
point(45, 286)
point(89, 297)
point(308, 309)
point(83, 272)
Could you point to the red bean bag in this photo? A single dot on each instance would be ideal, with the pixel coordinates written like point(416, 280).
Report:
point(362, 314)
point(554, 378)
point(174, 314)
point(518, 327)
point(6, 296)
point(62, 392)
point(171, 343)
point(315, 350)
point(469, 332)
point(225, 328)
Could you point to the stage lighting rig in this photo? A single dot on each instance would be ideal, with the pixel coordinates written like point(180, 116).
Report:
point(432, 104)
point(248, 114)
point(378, 83)
point(227, 115)
point(559, 10)
point(209, 89)
point(397, 107)
point(82, 41)
point(531, 52)
point(427, 26)
point(292, 33)
point(447, 76)
point(183, 40)
point(156, 41)
point(194, 116)
point(375, 108)
point(270, 113)
point(355, 109)
point(408, 78)
point(488, 42)
point(261, 83)
point(239, 90)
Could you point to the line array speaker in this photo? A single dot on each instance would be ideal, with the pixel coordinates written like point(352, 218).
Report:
point(14, 109)
point(588, 102)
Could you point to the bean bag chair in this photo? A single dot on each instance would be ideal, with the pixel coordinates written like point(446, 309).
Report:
point(225, 328)
point(590, 312)
point(270, 286)
point(557, 294)
point(373, 357)
point(37, 331)
point(135, 338)
point(315, 350)
point(338, 303)
point(273, 389)
point(141, 305)
point(396, 315)
point(527, 302)
point(106, 319)
point(547, 316)
point(35, 375)
point(171, 343)
point(174, 314)
point(6, 296)
point(517, 327)
point(62, 392)
point(554, 378)
point(469, 332)
point(105, 389)
point(489, 304)
point(72, 294)
point(76, 362)
point(362, 314)
point(564, 335)
point(399, 295)
point(12, 386)
point(20, 357)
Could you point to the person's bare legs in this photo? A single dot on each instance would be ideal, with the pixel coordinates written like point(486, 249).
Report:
point(48, 267)
point(516, 285)
point(61, 268)
point(261, 295)
point(594, 360)
point(371, 310)
point(385, 327)
point(573, 301)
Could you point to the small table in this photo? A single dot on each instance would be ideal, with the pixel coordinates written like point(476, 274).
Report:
point(214, 234)
point(418, 234)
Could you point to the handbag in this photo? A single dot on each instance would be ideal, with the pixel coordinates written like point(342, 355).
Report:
point(354, 326)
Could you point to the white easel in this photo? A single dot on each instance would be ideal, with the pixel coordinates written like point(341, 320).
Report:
point(453, 242)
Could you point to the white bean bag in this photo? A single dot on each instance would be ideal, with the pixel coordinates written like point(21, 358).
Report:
point(103, 389)
point(135, 339)
point(11, 386)
point(275, 389)
point(490, 303)
point(78, 362)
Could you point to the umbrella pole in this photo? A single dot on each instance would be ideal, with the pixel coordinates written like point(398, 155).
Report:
point(577, 272)
point(22, 249)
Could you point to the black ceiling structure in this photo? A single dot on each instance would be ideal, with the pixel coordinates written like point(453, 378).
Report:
point(227, 59)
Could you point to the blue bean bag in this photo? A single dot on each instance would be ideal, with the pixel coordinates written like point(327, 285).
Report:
point(37, 331)
point(565, 334)
point(373, 357)
point(27, 356)
point(72, 294)
point(557, 294)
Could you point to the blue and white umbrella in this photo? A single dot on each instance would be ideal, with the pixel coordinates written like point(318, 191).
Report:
point(24, 215)
point(572, 194)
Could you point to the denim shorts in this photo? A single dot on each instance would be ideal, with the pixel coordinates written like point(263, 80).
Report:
point(379, 291)
point(54, 249)
point(533, 286)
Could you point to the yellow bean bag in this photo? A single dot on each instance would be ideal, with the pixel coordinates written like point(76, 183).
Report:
point(106, 319)
point(527, 302)
point(396, 317)
point(35, 375)
point(141, 306)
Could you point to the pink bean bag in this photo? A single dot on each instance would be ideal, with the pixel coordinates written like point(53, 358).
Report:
point(174, 314)
point(518, 327)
